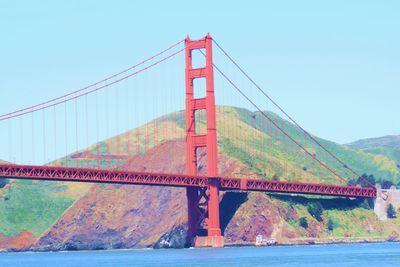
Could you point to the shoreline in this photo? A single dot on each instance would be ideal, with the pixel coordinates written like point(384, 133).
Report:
point(228, 245)
point(313, 242)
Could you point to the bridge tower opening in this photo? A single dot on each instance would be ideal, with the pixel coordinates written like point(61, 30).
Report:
point(203, 203)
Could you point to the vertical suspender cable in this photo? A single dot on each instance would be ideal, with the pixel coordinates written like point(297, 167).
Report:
point(128, 130)
point(117, 149)
point(277, 144)
point(9, 140)
point(107, 141)
point(306, 174)
point(88, 159)
point(21, 140)
point(44, 136)
point(320, 166)
point(253, 147)
point(263, 159)
point(326, 175)
point(76, 134)
point(136, 122)
point(269, 148)
point(246, 137)
point(55, 131)
point(285, 153)
point(292, 155)
point(300, 159)
point(97, 131)
point(33, 139)
point(146, 116)
point(314, 164)
point(66, 134)
point(154, 117)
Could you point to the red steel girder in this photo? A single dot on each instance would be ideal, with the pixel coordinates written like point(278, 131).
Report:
point(177, 180)
point(99, 176)
point(294, 187)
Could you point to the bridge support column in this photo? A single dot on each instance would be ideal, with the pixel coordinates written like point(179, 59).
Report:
point(194, 215)
point(213, 209)
point(203, 216)
point(214, 237)
point(203, 203)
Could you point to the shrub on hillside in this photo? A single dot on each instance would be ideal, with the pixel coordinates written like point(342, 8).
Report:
point(366, 180)
point(386, 184)
point(352, 182)
point(316, 210)
point(391, 213)
point(303, 222)
point(330, 225)
point(367, 204)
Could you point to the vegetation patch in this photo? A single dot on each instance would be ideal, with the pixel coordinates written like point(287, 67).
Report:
point(31, 207)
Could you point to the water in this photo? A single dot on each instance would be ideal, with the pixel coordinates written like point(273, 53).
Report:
point(360, 255)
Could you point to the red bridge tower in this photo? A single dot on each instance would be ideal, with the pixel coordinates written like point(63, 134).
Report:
point(203, 203)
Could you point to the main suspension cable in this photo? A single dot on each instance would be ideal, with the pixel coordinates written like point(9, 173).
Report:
point(287, 115)
point(273, 122)
point(95, 89)
point(93, 84)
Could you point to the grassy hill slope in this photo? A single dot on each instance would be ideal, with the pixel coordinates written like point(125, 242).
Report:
point(244, 137)
point(388, 146)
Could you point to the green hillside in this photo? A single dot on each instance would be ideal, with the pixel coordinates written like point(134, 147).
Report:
point(248, 137)
point(251, 128)
point(32, 206)
point(388, 146)
point(242, 135)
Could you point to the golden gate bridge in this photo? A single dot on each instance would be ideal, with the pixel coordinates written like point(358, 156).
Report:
point(289, 159)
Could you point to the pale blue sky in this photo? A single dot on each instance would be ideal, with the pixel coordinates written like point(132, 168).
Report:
point(333, 65)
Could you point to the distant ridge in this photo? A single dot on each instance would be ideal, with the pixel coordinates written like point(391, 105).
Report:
point(388, 141)
point(388, 146)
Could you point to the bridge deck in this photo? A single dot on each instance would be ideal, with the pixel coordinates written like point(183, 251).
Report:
point(177, 180)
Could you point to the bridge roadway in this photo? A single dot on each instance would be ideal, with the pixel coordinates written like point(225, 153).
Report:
point(176, 180)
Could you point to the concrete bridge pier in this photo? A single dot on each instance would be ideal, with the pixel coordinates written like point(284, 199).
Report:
point(384, 197)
